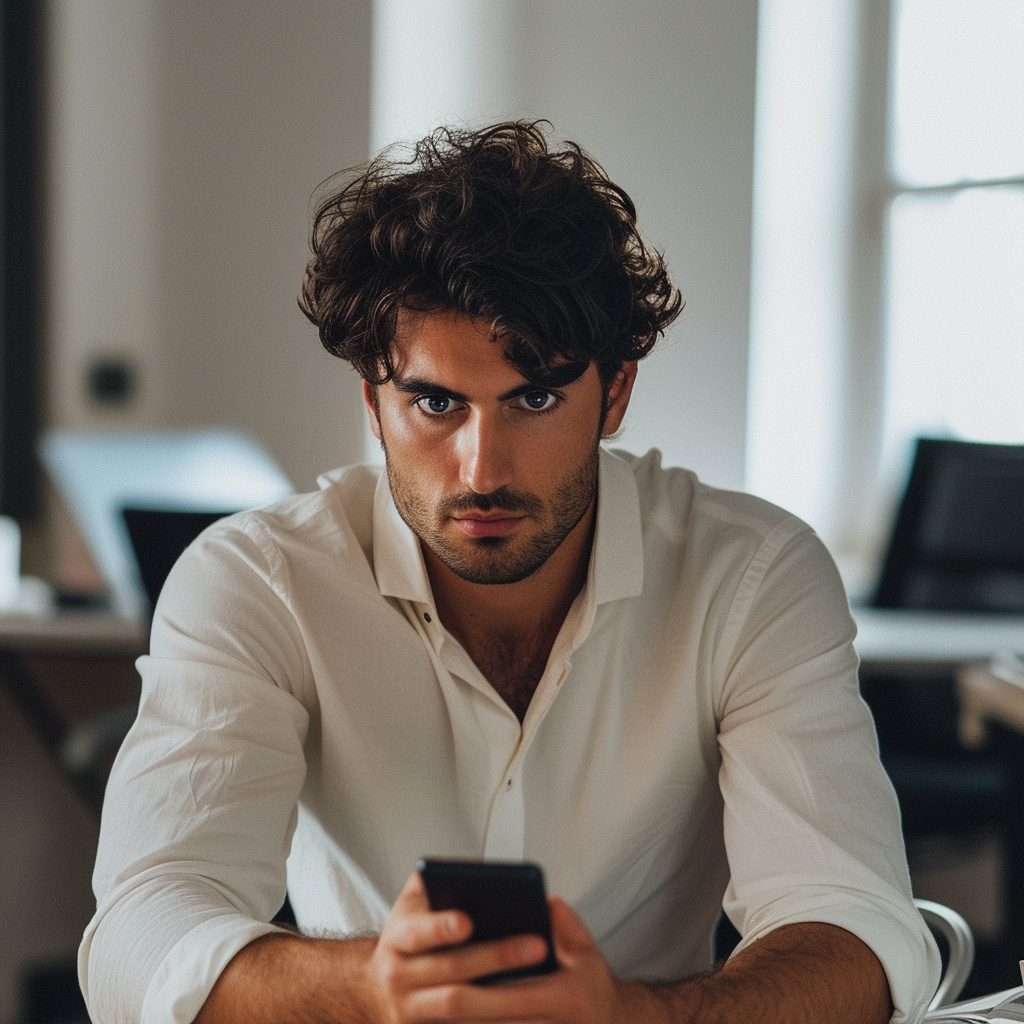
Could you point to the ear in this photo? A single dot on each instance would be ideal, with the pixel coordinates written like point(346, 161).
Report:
point(370, 400)
point(618, 398)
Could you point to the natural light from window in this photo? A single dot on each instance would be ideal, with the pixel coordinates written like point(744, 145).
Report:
point(958, 111)
point(955, 256)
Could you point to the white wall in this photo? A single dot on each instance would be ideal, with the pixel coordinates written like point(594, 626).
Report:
point(662, 93)
point(803, 218)
point(261, 102)
point(103, 199)
point(187, 139)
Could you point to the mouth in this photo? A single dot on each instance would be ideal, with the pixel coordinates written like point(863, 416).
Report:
point(488, 524)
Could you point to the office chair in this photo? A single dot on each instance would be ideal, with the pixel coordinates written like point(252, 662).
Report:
point(955, 939)
point(958, 541)
point(957, 545)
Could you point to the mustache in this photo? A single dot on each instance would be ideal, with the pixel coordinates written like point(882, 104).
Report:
point(502, 499)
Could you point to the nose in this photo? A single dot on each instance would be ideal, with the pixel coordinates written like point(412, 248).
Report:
point(485, 453)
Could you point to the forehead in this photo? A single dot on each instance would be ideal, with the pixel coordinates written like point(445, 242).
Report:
point(426, 335)
point(447, 344)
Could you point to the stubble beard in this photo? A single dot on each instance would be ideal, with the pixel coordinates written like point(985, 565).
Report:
point(492, 560)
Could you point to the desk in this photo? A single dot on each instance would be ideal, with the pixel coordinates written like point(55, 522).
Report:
point(898, 638)
point(79, 632)
point(67, 668)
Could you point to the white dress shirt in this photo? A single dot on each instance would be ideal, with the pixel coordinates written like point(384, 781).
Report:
point(697, 733)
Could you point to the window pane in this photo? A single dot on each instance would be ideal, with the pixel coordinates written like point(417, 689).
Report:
point(958, 90)
point(956, 316)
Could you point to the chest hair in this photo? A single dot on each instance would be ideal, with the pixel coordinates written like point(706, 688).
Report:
point(513, 665)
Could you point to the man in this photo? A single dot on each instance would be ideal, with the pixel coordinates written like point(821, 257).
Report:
point(514, 645)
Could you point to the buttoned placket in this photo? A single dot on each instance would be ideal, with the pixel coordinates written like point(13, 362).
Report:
point(506, 825)
point(507, 742)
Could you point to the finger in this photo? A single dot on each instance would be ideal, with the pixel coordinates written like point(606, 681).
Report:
point(474, 960)
point(413, 895)
point(414, 928)
point(524, 1002)
point(415, 932)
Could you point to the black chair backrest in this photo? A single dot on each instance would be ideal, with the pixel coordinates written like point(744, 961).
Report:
point(958, 540)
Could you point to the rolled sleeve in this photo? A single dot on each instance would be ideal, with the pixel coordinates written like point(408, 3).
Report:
point(811, 822)
point(201, 804)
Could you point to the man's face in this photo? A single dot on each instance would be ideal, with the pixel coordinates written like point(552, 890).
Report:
point(492, 471)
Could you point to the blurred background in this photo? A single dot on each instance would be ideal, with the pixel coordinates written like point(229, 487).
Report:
point(836, 184)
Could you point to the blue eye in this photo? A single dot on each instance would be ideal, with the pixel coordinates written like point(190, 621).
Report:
point(436, 404)
point(537, 401)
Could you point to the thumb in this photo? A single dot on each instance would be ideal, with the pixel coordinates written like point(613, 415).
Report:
point(413, 896)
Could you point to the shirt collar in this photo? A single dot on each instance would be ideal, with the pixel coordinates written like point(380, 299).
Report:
point(616, 561)
point(397, 559)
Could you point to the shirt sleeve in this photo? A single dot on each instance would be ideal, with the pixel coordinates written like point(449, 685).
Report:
point(812, 825)
point(201, 803)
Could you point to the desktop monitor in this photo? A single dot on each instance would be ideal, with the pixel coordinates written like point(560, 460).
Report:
point(159, 536)
point(958, 540)
point(202, 472)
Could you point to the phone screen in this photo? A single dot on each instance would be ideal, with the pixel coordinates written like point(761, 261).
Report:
point(500, 898)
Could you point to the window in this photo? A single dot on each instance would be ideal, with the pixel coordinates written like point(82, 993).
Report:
point(888, 272)
point(954, 241)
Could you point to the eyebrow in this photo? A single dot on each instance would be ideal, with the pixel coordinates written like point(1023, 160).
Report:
point(423, 386)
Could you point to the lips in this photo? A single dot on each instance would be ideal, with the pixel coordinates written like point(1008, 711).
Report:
point(488, 524)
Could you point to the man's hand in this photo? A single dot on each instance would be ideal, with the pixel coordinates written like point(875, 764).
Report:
point(421, 970)
point(420, 965)
point(803, 972)
point(423, 975)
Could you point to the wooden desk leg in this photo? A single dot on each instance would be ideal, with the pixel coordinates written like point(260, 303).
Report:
point(31, 701)
point(44, 721)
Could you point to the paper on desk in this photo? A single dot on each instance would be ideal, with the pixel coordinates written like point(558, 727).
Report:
point(1006, 1006)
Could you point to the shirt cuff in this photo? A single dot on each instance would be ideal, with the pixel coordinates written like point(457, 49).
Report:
point(898, 936)
point(195, 962)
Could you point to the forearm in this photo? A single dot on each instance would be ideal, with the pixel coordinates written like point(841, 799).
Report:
point(293, 979)
point(800, 973)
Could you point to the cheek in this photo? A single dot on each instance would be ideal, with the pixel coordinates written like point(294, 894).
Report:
point(417, 455)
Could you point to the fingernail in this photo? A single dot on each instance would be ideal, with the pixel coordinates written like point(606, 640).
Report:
point(531, 948)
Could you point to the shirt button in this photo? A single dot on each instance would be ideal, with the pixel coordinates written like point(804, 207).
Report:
point(426, 615)
point(508, 784)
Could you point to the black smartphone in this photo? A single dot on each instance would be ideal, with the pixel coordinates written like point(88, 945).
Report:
point(501, 899)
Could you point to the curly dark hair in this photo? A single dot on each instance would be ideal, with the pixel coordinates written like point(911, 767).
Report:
point(536, 242)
